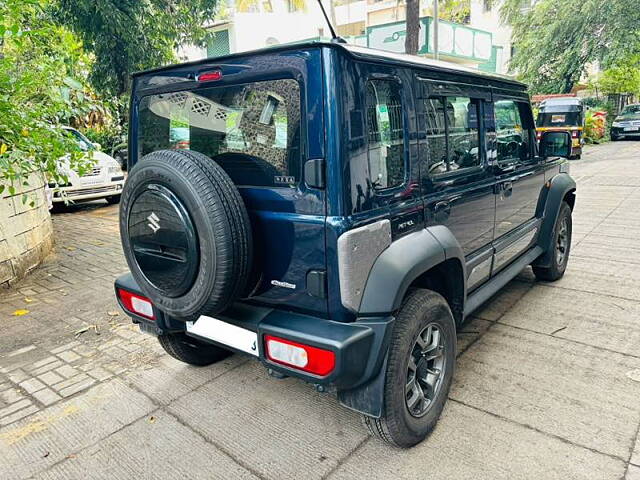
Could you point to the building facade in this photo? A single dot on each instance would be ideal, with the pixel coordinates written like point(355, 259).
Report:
point(374, 23)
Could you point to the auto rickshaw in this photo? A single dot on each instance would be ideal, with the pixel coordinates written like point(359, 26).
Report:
point(565, 114)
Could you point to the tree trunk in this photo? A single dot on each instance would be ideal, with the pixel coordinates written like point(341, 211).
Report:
point(412, 39)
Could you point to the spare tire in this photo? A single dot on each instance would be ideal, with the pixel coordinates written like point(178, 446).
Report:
point(185, 233)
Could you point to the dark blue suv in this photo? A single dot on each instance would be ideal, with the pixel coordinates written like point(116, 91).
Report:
point(336, 212)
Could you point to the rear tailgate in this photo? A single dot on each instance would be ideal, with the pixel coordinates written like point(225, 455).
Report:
point(260, 116)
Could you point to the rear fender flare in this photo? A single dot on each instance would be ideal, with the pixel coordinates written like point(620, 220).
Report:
point(403, 262)
point(392, 274)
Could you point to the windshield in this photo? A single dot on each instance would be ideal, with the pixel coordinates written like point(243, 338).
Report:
point(555, 119)
point(83, 142)
point(251, 130)
point(631, 110)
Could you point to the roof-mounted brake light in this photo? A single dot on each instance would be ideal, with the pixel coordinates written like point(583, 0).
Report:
point(210, 76)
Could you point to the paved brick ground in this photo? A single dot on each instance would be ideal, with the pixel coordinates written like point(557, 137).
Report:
point(547, 385)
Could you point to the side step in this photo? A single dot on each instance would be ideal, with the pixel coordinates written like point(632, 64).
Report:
point(488, 290)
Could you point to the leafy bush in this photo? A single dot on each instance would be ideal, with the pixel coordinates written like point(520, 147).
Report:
point(108, 138)
point(41, 65)
point(595, 128)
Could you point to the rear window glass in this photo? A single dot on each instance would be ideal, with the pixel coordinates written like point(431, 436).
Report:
point(251, 130)
point(564, 119)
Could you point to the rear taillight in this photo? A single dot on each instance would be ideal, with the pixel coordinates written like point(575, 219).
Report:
point(575, 134)
point(539, 135)
point(299, 356)
point(137, 304)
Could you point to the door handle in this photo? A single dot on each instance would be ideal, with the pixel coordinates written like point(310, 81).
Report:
point(441, 211)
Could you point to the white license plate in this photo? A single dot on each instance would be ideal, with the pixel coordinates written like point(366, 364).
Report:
point(631, 129)
point(225, 333)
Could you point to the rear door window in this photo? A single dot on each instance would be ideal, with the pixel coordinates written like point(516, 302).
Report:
point(251, 130)
point(385, 125)
point(453, 134)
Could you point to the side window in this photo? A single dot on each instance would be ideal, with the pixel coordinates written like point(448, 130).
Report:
point(453, 133)
point(385, 127)
point(513, 132)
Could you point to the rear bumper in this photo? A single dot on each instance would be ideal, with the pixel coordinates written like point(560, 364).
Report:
point(620, 132)
point(359, 347)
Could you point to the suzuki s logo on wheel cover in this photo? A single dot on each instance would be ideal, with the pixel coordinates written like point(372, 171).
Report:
point(154, 222)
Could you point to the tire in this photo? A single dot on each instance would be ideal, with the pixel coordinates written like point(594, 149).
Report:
point(188, 193)
point(113, 200)
point(191, 351)
point(59, 207)
point(615, 138)
point(561, 245)
point(422, 309)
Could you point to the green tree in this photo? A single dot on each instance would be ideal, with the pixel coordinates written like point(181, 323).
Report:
point(623, 77)
point(555, 40)
point(42, 66)
point(458, 11)
point(131, 35)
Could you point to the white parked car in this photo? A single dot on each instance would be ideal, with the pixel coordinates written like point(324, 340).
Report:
point(105, 180)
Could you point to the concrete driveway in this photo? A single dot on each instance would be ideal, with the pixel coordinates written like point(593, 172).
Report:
point(547, 384)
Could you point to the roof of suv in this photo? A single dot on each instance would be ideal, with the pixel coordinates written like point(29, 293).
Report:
point(360, 52)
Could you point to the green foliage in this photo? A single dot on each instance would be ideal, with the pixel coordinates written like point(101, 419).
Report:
point(621, 78)
point(458, 11)
point(41, 67)
point(108, 138)
point(251, 5)
point(595, 128)
point(556, 39)
point(131, 35)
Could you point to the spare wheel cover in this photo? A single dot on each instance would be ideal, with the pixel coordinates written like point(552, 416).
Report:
point(163, 239)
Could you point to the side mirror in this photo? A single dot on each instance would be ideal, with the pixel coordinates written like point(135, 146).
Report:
point(555, 144)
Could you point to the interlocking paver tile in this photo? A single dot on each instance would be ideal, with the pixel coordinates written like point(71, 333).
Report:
point(46, 396)
point(50, 378)
point(32, 385)
point(69, 356)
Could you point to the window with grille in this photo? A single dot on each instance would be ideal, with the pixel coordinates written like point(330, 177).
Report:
point(385, 133)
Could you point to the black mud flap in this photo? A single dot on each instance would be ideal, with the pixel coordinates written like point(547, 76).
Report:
point(368, 398)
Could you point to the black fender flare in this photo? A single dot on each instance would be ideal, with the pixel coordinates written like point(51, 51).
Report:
point(393, 272)
point(555, 192)
point(403, 262)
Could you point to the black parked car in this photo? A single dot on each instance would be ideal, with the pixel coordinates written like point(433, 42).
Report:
point(336, 213)
point(627, 124)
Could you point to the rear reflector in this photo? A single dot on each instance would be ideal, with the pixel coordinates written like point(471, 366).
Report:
point(299, 356)
point(136, 304)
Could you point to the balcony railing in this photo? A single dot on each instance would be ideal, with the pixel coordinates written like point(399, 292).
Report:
point(454, 39)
